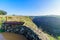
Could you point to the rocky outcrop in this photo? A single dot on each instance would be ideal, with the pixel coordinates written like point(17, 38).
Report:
point(28, 33)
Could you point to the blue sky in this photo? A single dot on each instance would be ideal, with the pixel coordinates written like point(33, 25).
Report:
point(31, 7)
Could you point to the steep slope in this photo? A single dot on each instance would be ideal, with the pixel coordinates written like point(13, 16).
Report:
point(31, 25)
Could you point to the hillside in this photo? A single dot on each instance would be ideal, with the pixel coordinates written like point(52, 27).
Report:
point(52, 23)
point(31, 25)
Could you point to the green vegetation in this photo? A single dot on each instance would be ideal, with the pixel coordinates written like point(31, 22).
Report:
point(58, 37)
point(51, 37)
point(3, 12)
point(1, 30)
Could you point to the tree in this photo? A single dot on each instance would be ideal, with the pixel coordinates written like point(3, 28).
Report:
point(13, 14)
point(3, 12)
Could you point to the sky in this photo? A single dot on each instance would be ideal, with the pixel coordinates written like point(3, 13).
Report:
point(30, 7)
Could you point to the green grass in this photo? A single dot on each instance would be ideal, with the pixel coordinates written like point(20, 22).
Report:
point(51, 37)
point(58, 37)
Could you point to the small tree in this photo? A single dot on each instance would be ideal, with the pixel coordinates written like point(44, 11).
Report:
point(3, 12)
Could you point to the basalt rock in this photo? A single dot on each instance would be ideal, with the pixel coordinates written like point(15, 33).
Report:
point(27, 32)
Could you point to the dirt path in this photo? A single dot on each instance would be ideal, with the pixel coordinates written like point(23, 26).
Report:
point(11, 36)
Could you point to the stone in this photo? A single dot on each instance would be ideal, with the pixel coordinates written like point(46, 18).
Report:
point(22, 30)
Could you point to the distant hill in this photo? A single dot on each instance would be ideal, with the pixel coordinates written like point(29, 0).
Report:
point(49, 24)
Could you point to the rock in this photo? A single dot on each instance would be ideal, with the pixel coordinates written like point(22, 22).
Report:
point(27, 32)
